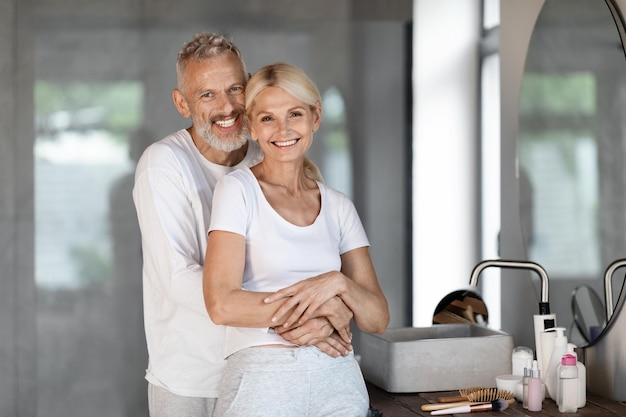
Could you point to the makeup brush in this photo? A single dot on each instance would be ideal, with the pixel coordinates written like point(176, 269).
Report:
point(496, 405)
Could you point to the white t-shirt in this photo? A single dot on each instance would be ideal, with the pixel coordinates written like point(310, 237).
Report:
point(279, 253)
point(173, 193)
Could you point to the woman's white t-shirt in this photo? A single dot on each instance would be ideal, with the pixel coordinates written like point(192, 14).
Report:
point(279, 253)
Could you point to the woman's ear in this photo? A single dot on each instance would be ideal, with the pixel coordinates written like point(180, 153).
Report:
point(180, 103)
point(317, 116)
point(252, 131)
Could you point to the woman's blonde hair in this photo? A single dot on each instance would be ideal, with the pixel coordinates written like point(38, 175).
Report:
point(295, 82)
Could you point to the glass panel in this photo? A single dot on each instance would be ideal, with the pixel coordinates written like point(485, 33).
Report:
point(491, 13)
point(87, 250)
point(337, 159)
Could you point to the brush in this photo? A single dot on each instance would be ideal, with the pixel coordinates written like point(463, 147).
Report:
point(483, 395)
point(496, 405)
point(477, 394)
point(464, 392)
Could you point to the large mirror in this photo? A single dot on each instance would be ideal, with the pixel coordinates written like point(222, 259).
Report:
point(572, 147)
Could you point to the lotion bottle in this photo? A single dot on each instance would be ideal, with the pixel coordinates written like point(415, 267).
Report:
point(568, 385)
point(582, 376)
point(542, 322)
point(535, 388)
point(559, 349)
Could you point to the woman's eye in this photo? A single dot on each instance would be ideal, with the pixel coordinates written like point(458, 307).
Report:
point(266, 118)
point(296, 114)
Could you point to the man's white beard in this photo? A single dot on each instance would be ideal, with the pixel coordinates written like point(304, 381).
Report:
point(232, 143)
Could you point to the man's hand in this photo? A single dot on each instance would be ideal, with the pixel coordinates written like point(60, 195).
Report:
point(320, 333)
point(310, 333)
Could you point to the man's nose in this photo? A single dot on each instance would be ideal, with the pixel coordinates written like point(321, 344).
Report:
point(227, 102)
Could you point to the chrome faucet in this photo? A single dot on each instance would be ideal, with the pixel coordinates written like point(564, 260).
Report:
point(543, 275)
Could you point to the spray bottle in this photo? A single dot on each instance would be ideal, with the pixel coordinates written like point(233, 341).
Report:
point(560, 348)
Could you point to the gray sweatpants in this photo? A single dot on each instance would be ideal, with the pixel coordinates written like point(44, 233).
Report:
point(300, 382)
point(162, 403)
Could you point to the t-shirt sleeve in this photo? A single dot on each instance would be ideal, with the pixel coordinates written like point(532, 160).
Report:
point(229, 211)
point(353, 234)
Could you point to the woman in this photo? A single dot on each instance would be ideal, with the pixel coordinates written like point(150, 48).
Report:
point(283, 248)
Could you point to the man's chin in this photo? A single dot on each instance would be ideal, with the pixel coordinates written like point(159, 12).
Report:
point(226, 145)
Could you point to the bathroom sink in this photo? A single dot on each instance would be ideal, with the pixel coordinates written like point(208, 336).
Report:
point(442, 357)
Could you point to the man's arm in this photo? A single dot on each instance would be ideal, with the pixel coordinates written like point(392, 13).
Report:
point(170, 245)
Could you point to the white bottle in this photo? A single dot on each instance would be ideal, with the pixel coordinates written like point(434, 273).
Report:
point(559, 349)
point(568, 385)
point(535, 389)
point(582, 376)
point(542, 322)
point(546, 340)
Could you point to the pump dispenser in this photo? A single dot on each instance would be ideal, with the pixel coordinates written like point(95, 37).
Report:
point(582, 376)
point(559, 349)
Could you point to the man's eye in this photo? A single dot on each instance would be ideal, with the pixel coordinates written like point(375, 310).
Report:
point(207, 95)
point(237, 90)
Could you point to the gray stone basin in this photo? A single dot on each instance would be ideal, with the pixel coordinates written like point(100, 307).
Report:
point(442, 357)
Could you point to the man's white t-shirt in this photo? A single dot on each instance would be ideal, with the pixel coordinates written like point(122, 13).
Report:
point(173, 194)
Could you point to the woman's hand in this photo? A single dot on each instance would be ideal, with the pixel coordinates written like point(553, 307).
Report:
point(306, 297)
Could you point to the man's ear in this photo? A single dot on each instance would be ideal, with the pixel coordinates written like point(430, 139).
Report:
point(180, 103)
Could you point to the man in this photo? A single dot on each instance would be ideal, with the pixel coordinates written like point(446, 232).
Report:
point(174, 183)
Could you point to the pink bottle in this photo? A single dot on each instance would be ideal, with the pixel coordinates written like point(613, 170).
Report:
point(535, 389)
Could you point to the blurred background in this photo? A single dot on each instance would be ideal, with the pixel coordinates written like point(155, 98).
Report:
point(87, 87)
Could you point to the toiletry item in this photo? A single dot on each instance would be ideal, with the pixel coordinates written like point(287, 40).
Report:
point(519, 358)
point(547, 344)
point(542, 322)
point(527, 371)
point(567, 398)
point(508, 382)
point(582, 376)
point(559, 349)
point(535, 388)
point(483, 395)
point(495, 405)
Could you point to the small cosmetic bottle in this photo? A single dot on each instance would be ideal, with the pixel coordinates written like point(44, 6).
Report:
point(535, 389)
point(527, 371)
point(568, 385)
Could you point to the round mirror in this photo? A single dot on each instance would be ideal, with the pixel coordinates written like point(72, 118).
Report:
point(461, 307)
point(588, 312)
point(571, 148)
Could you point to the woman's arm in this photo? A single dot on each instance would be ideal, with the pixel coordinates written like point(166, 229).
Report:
point(226, 302)
point(356, 285)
